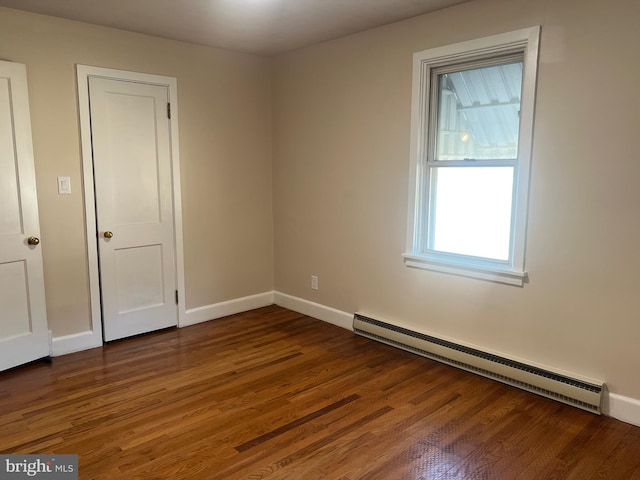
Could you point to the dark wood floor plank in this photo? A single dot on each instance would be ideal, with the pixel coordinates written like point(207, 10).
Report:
point(273, 394)
point(295, 423)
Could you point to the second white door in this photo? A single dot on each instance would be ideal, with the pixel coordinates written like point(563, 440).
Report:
point(130, 132)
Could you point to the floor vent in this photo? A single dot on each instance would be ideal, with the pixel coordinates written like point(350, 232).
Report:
point(587, 396)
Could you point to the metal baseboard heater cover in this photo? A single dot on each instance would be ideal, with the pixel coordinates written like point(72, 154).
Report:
point(584, 395)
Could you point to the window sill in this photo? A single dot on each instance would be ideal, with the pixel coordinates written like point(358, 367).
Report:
point(492, 274)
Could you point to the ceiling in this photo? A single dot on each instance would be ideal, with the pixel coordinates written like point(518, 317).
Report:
point(264, 27)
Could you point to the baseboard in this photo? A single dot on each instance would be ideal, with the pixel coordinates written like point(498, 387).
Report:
point(623, 408)
point(75, 343)
point(230, 307)
point(315, 310)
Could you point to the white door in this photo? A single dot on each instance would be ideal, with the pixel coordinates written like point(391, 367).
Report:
point(134, 210)
point(24, 334)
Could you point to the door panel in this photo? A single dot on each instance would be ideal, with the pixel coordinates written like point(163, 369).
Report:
point(14, 299)
point(134, 156)
point(24, 333)
point(10, 221)
point(139, 278)
point(133, 184)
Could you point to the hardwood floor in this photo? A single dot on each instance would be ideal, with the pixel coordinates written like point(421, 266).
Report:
point(272, 394)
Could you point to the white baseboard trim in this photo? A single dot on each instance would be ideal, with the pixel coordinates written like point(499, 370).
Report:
point(315, 310)
point(75, 343)
point(230, 307)
point(623, 408)
point(617, 406)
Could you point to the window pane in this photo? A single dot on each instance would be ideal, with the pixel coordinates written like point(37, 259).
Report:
point(479, 113)
point(471, 211)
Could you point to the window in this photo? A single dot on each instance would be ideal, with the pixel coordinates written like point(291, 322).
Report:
point(471, 135)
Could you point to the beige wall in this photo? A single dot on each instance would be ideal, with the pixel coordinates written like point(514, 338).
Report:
point(341, 121)
point(224, 103)
point(340, 146)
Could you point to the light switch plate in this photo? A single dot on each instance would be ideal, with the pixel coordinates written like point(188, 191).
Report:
point(64, 186)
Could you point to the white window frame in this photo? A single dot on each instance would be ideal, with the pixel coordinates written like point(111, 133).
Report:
point(512, 271)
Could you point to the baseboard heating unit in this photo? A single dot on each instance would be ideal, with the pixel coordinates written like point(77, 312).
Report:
point(584, 395)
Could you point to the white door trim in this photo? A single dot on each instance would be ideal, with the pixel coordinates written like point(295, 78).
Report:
point(83, 74)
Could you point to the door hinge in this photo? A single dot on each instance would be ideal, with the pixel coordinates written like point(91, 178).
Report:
point(168, 110)
point(176, 297)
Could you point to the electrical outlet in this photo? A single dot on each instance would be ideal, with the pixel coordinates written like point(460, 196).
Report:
point(314, 282)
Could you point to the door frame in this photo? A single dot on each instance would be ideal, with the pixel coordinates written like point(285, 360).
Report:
point(84, 72)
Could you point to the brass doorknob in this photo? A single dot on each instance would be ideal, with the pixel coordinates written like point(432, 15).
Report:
point(33, 241)
point(108, 234)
